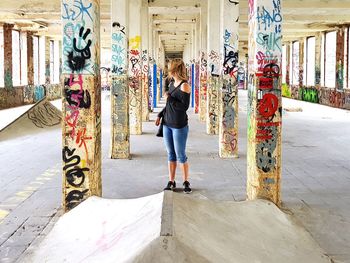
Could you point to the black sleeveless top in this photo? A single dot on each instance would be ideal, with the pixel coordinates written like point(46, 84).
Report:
point(174, 114)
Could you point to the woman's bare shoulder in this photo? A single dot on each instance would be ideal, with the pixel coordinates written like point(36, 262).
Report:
point(186, 88)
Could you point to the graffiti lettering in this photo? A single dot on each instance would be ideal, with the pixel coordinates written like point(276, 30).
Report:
point(75, 176)
point(76, 11)
point(230, 60)
point(77, 62)
point(267, 19)
point(271, 41)
point(44, 116)
point(75, 197)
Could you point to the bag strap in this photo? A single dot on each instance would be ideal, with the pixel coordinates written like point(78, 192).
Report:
point(182, 82)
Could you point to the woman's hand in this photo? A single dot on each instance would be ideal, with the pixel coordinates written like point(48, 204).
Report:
point(157, 122)
point(166, 95)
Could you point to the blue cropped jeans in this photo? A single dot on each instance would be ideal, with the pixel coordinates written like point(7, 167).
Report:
point(175, 143)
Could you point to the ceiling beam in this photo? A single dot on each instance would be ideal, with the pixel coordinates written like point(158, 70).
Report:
point(174, 10)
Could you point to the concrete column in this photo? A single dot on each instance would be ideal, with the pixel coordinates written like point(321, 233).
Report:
point(157, 58)
point(197, 67)
point(8, 56)
point(264, 101)
point(47, 61)
point(120, 134)
point(81, 129)
point(346, 58)
point(145, 61)
point(318, 46)
point(30, 63)
point(228, 95)
point(213, 41)
point(339, 81)
point(135, 87)
point(246, 72)
point(287, 63)
point(150, 61)
point(203, 61)
point(302, 44)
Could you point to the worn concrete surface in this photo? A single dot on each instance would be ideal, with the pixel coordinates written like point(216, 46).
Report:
point(129, 230)
point(41, 117)
point(119, 230)
point(315, 175)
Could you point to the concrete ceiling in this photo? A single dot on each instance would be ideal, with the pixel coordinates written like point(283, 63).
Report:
point(174, 20)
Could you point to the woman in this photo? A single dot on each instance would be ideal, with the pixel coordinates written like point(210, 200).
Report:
point(175, 123)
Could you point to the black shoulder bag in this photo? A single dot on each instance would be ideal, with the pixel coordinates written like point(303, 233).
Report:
point(160, 129)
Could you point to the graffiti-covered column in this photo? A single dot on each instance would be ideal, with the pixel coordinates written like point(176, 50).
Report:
point(8, 55)
point(228, 112)
point(120, 134)
point(81, 101)
point(339, 82)
point(30, 62)
point(150, 61)
point(145, 61)
point(213, 66)
point(135, 87)
point(47, 61)
point(203, 61)
point(318, 46)
point(302, 44)
point(264, 100)
point(197, 66)
point(287, 63)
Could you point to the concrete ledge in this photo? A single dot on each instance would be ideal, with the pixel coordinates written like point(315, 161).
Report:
point(167, 215)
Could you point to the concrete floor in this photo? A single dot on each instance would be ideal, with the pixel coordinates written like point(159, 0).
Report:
point(315, 180)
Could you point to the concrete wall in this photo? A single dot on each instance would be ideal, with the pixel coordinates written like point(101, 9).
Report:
point(335, 97)
point(18, 96)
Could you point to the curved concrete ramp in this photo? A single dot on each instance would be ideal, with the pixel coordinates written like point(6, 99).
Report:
point(101, 230)
point(41, 117)
point(178, 229)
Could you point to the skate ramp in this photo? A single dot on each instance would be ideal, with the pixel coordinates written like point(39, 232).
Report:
point(172, 227)
point(43, 116)
point(101, 230)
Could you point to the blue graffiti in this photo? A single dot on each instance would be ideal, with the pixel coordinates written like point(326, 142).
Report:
point(78, 10)
point(227, 36)
point(39, 93)
point(266, 19)
point(271, 41)
point(118, 37)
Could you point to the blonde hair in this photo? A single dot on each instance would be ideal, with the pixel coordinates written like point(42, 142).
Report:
point(177, 68)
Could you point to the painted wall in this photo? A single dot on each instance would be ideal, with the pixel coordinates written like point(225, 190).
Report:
point(29, 94)
point(323, 95)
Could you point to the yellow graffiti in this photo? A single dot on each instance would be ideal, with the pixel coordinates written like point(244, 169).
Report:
point(3, 214)
point(135, 42)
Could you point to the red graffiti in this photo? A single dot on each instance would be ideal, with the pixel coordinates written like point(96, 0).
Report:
point(73, 117)
point(265, 83)
point(263, 60)
point(230, 140)
point(336, 99)
point(134, 52)
point(268, 105)
point(196, 109)
point(81, 138)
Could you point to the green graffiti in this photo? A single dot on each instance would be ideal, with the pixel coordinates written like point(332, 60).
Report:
point(309, 94)
point(340, 77)
point(286, 92)
point(8, 80)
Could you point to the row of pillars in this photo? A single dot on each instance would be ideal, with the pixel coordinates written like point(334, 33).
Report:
point(217, 98)
point(8, 57)
point(300, 68)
